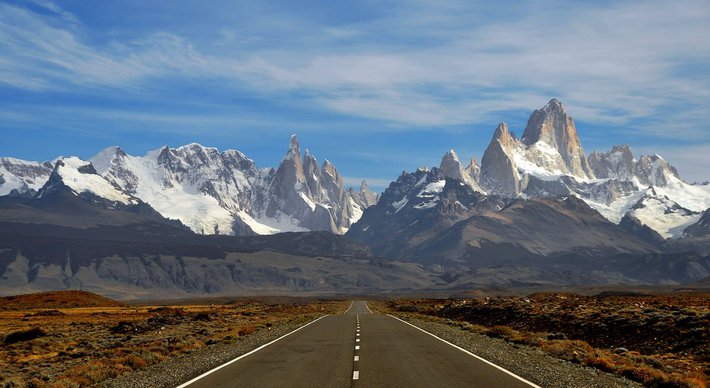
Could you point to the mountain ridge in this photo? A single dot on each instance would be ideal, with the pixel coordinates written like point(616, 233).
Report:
point(210, 191)
point(225, 192)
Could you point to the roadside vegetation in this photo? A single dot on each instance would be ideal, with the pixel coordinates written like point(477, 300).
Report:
point(659, 341)
point(83, 346)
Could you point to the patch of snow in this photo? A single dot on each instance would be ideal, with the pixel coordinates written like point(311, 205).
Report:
point(691, 197)
point(616, 210)
point(428, 204)
point(176, 200)
point(432, 189)
point(280, 223)
point(421, 181)
point(398, 205)
point(12, 182)
point(92, 183)
point(662, 215)
point(307, 200)
point(357, 212)
point(102, 160)
point(22, 175)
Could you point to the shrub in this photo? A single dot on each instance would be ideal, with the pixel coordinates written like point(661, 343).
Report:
point(600, 363)
point(24, 335)
point(568, 350)
point(501, 332)
point(246, 330)
point(202, 316)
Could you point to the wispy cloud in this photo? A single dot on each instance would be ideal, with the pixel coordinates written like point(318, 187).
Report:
point(633, 67)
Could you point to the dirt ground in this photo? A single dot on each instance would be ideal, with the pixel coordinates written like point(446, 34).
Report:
point(658, 340)
point(82, 346)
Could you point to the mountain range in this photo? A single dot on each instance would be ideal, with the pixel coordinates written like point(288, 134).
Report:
point(209, 191)
point(536, 210)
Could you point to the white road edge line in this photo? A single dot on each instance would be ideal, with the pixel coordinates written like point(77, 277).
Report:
point(368, 308)
point(183, 385)
point(470, 354)
point(351, 306)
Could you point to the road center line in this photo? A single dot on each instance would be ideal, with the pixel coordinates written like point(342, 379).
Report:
point(247, 354)
point(470, 354)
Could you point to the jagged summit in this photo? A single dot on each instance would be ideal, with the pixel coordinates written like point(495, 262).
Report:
point(21, 177)
point(451, 167)
point(81, 178)
point(212, 191)
point(503, 135)
point(208, 190)
point(549, 161)
point(498, 170)
point(553, 126)
point(293, 143)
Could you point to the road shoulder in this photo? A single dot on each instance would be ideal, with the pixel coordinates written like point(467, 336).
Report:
point(529, 363)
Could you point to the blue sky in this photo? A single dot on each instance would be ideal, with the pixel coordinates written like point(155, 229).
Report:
point(376, 87)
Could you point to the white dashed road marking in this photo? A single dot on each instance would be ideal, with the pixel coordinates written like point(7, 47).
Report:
point(357, 347)
point(357, 358)
point(356, 375)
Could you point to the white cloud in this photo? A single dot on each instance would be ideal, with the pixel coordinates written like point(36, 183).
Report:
point(611, 64)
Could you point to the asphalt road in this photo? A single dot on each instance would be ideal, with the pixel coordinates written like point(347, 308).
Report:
point(359, 349)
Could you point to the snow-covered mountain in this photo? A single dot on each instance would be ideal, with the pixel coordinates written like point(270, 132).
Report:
point(209, 191)
point(225, 192)
point(19, 177)
point(549, 161)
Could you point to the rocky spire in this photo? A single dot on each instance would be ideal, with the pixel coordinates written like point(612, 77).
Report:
point(653, 170)
point(618, 163)
point(474, 169)
point(552, 125)
point(329, 168)
point(451, 167)
point(311, 174)
point(498, 171)
point(367, 197)
point(289, 180)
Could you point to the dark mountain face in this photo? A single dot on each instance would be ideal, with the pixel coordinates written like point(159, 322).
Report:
point(700, 228)
point(62, 241)
point(514, 218)
point(414, 209)
point(531, 229)
point(696, 238)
